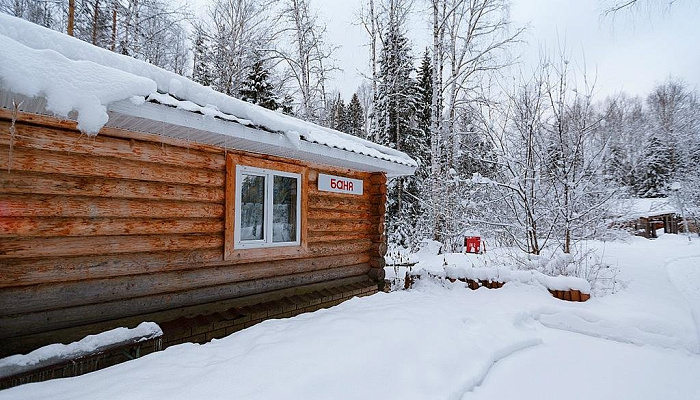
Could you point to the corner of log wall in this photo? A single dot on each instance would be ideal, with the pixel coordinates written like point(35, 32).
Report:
point(377, 187)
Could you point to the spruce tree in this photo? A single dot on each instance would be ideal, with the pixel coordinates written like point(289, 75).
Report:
point(396, 127)
point(257, 88)
point(202, 71)
point(657, 170)
point(339, 118)
point(355, 117)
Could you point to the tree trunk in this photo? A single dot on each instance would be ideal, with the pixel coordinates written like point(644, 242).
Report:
point(95, 18)
point(435, 112)
point(71, 16)
point(114, 25)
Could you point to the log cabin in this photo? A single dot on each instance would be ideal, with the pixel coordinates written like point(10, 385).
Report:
point(129, 193)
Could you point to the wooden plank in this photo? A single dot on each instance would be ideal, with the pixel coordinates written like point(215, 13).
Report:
point(230, 210)
point(43, 138)
point(31, 271)
point(95, 207)
point(27, 182)
point(78, 246)
point(26, 324)
point(71, 294)
point(50, 227)
point(86, 165)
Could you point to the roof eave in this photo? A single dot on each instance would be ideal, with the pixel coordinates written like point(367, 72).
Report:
point(168, 121)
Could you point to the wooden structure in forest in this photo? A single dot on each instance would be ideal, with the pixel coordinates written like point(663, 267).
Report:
point(645, 216)
point(168, 215)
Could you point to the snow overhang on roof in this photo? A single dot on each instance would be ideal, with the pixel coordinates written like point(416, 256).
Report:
point(633, 208)
point(56, 74)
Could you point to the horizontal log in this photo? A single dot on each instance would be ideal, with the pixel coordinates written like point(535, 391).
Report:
point(314, 191)
point(51, 227)
point(22, 159)
point(26, 324)
point(314, 249)
point(47, 121)
point(340, 214)
point(316, 169)
point(43, 138)
point(32, 271)
point(28, 182)
point(346, 204)
point(325, 237)
point(95, 207)
point(338, 225)
point(22, 272)
point(89, 245)
point(25, 343)
point(71, 294)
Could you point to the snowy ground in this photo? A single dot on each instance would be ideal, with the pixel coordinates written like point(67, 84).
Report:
point(436, 342)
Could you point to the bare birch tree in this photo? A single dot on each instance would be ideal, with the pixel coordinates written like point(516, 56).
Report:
point(470, 41)
point(301, 46)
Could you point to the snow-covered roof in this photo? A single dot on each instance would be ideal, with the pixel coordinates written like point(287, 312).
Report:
point(52, 73)
point(648, 207)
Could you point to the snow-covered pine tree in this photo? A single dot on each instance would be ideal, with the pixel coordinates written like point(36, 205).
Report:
point(396, 127)
point(658, 171)
point(424, 89)
point(355, 117)
point(202, 68)
point(339, 117)
point(420, 149)
point(257, 89)
point(287, 105)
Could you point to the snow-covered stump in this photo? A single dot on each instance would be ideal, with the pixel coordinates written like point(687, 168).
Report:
point(561, 287)
point(92, 353)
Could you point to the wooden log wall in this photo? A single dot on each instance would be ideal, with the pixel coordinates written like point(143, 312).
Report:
point(93, 229)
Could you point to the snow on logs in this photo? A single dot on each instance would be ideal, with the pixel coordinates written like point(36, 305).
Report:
point(567, 288)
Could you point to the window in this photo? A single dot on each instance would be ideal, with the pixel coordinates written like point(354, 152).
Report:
point(268, 208)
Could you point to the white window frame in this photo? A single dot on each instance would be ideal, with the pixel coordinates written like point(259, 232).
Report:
point(269, 175)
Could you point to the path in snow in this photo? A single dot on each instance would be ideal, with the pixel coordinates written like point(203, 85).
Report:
point(573, 366)
point(648, 310)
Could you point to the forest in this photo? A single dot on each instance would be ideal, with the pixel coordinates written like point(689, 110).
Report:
point(535, 159)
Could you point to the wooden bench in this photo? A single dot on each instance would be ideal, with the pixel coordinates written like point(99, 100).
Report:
point(61, 361)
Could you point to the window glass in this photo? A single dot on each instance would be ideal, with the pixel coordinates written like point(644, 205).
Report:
point(252, 207)
point(284, 209)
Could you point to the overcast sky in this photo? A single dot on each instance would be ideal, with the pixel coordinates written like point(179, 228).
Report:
point(632, 52)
